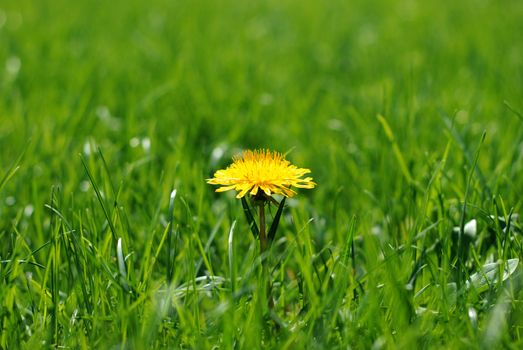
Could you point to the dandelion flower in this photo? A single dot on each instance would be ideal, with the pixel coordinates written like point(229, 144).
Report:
point(261, 172)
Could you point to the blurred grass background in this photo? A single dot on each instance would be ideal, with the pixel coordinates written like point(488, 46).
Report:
point(193, 76)
point(170, 90)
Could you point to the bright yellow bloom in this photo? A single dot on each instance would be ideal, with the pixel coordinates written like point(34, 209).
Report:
point(261, 170)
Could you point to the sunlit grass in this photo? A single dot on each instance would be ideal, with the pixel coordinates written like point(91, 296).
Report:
point(113, 114)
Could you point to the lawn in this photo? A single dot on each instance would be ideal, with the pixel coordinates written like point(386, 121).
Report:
point(113, 114)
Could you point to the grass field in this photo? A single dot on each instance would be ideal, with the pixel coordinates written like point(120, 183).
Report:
point(114, 113)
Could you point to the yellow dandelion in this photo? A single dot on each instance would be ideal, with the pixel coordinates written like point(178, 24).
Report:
point(261, 170)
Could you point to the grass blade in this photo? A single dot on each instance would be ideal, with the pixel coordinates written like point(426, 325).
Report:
point(513, 110)
point(276, 221)
point(100, 199)
point(170, 244)
point(464, 208)
point(250, 218)
point(121, 265)
point(12, 170)
point(397, 152)
point(231, 257)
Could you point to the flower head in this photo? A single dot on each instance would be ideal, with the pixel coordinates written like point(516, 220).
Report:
point(261, 170)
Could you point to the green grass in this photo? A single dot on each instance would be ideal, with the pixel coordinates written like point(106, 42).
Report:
point(408, 114)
